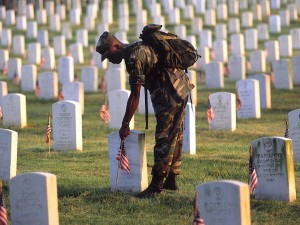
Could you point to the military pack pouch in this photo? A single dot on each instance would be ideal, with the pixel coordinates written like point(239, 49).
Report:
point(177, 84)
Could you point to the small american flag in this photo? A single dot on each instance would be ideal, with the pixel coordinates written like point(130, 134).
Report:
point(104, 114)
point(1, 115)
point(252, 173)
point(42, 62)
point(210, 112)
point(198, 220)
point(123, 158)
point(103, 85)
point(60, 96)
point(37, 90)
point(5, 69)
point(238, 101)
point(286, 133)
point(48, 131)
point(3, 215)
point(16, 79)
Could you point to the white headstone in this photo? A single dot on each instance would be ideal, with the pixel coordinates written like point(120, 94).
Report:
point(43, 38)
point(237, 67)
point(76, 51)
point(296, 69)
point(258, 61)
point(220, 50)
point(189, 130)
point(248, 90)
point(35, 53)
point(247, 19)
point(6, 38)
point(225, 202)
point(137, 179)
point(285, 45)
point(210, 17)
point(74, 91)
point(294, 132)
point(214, 75)
point(10, 17)
point(32, 31)
point(41, 16)
point(272, 50)
point(264, 89)
point(284, 17)
point(82, 37)
point(224, 108)
point(8, 154)
point(275, 24)
point(117, 101)
point(48, 83)
point(89, 77)
point(14, 67)
point(59, 45)
point(4, 56)
point(221, 31)
point(49, 58)
point(205, 38)
point(21, 23)
point(116, 79)
point(33, 199)
point(67, 125)
point(14, 110)
point(237, 44)
point(295, 34)
point(18, 45)
point(29, 76)
point(233, 25)
point(263, 32)
point(274, 165)
point(251, 39)
point(3, 91)
point(282, 74)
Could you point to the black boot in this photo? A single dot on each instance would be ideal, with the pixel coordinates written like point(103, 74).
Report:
point(170, 183)
point(155, 187)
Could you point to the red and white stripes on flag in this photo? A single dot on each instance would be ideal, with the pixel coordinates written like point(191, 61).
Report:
point(210, 112)
point(123, 158)
point(252, 173)
point(48, 131)
point(3, 214)
point(104, 114)
point(238, 101)
point(198, 220)
point(1, 113)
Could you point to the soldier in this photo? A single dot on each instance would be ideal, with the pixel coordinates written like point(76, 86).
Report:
point(142, 65)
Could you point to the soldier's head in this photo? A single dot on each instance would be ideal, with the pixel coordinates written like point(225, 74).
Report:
point(110, 48)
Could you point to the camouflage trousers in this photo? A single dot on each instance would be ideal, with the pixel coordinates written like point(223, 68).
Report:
point(169, 133)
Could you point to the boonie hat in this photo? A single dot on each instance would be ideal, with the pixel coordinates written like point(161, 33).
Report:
point(103, 44)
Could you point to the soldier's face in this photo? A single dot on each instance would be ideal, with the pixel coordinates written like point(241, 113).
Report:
point(115, 54)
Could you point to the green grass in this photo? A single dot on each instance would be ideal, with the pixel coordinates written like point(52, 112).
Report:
point(84, 195)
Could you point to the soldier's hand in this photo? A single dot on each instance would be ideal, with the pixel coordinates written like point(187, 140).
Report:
point(124, 132)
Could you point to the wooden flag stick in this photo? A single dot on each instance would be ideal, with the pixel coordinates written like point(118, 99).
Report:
point(49, 115)
point(119, 164)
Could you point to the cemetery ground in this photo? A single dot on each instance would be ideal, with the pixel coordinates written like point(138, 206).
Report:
point(84, 194)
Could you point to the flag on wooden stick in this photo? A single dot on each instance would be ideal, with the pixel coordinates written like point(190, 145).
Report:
point(60, 96)
point(238, 101)
point(123, 158)
point(210, 112)
point(48, 131)
point(3, 214)
point(104, 114)
point(252, 173)
point(287, 132)
point(5, 69)
point(198, 220)
point(1, 113)
point(37, 90)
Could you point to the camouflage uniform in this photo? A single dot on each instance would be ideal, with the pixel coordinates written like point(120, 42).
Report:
point(141, 63)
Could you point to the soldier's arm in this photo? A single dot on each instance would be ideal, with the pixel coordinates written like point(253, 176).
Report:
point(131, 107)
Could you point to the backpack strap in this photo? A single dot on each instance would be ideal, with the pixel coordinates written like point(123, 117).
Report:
point(146, 107)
